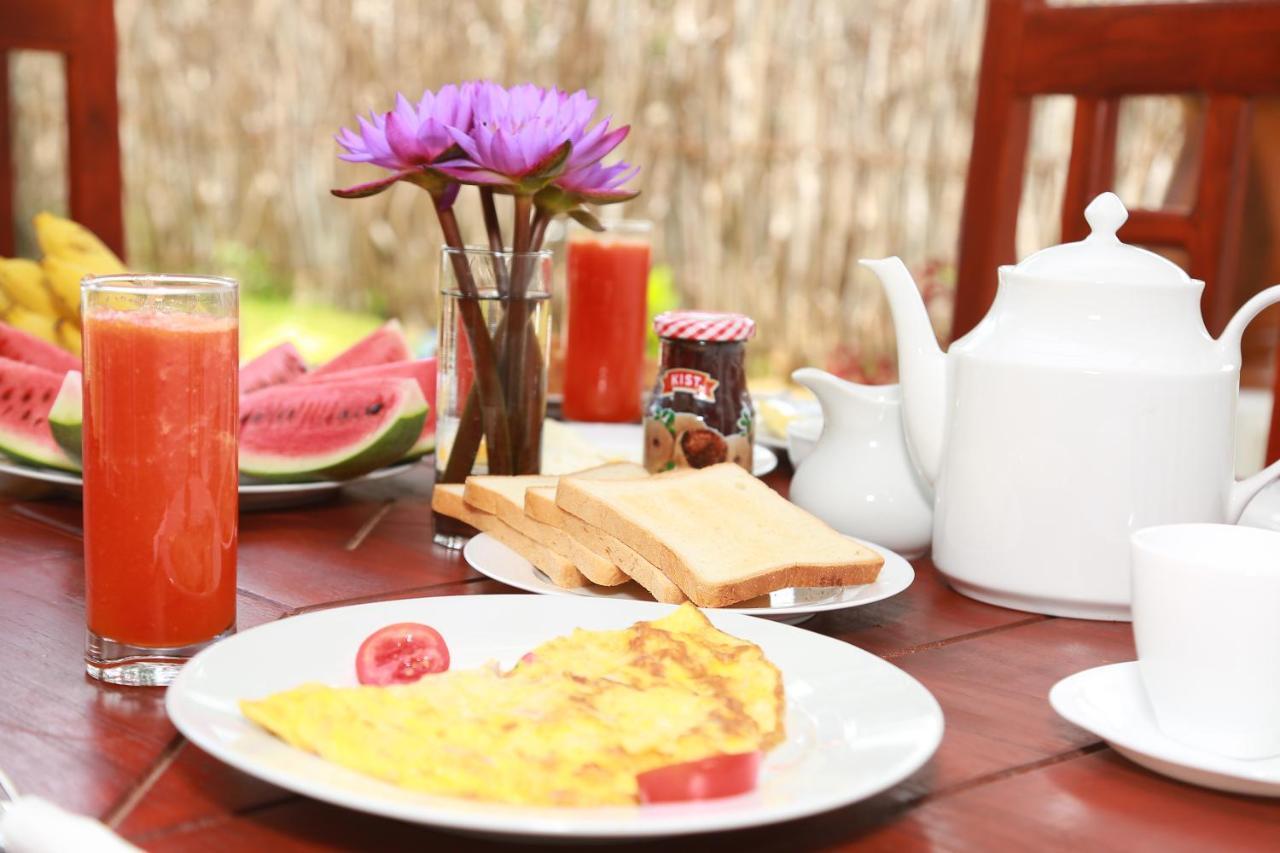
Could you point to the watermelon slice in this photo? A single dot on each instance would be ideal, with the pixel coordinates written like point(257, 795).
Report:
point(26, 394)
point(384, 344)
point(67, 416)
point(328, 431)
point(276, 366)
point(17, 345)
point(423, 370)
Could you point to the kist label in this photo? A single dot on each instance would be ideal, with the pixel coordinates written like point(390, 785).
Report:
point(684, 381)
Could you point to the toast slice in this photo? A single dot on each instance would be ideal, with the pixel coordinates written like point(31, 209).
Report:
point(540, 503)
point(720, 534)
point(449, 499)
point(505, 498)
point(636, 567)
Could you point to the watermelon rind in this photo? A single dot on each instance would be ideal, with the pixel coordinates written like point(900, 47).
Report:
point(28, 439)
point(425, 444)
point(397, 431)
point(67, 416)
point(422, 369)
point(20, 449)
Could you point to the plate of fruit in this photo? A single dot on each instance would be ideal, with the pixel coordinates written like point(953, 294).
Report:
point(304, 434)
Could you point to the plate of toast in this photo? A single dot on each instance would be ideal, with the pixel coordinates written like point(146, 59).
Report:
point(716, 536)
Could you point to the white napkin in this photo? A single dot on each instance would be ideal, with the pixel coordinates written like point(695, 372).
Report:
point(35, 825)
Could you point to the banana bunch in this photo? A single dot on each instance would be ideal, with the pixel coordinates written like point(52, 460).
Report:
point(26, 303)
point(43, 299)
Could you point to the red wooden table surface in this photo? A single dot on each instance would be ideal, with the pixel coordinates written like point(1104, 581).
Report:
point(1009, 774)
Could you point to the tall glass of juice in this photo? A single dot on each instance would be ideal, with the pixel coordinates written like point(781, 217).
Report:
point(160, 472)
point(608, 279)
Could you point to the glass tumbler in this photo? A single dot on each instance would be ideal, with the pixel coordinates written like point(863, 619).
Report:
point(491, 380)
point(160, 471)
point(608, 283)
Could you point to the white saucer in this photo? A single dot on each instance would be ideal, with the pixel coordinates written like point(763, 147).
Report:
point(494, 560)
point(1110, 702)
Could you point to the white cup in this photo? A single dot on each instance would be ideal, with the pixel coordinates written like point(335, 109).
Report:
point(1206, 618)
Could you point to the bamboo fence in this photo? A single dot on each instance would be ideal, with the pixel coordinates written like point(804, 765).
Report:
point(780, 141)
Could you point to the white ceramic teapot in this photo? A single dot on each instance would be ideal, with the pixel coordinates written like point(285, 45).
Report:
point(859, 478)
point(1088, 403)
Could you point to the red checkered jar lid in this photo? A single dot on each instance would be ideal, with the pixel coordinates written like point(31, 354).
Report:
point(704, 326)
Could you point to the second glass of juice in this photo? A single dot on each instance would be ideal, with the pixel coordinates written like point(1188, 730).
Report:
point(608, 280)
point(160, 471)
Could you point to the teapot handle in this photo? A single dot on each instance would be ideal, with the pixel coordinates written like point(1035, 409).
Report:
point(1243, 491)
point(1229, 340)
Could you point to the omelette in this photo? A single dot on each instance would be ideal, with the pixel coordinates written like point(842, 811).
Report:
point(571, 724)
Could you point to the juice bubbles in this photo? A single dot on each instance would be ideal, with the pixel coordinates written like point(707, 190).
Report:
point(160, 477)
point(608, 277)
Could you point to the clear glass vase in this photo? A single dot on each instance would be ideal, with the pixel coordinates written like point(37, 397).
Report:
point(494, 346)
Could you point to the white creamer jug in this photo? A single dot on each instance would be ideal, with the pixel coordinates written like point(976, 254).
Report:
point(859, 478)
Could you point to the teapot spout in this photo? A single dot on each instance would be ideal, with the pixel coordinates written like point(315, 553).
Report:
point(922, 366)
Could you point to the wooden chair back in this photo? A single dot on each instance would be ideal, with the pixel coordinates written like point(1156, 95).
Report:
point(1226, 52)
point(84, 32)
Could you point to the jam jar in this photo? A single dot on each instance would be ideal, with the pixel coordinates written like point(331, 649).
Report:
point(700, 412)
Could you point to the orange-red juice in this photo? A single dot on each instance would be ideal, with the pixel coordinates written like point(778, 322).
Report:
point(604, 350)
point(160, 476)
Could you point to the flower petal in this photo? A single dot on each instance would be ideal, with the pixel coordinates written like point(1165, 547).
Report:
point(505, 155)
point(550, 165)
point(403, 141)
point(466, 141)
point(470, 173)
point(433, 138)
point(593, 150)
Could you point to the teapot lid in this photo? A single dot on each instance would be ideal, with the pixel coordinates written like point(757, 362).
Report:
point(1102, 256)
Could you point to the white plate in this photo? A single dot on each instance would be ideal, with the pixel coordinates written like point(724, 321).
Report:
point(625, 443)
point(253, 496)
point(803, 406)
point(856, 724)
point(492, 559)
point(1110, 702)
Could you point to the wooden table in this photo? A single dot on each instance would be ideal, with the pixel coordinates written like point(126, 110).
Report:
point(1009, 774)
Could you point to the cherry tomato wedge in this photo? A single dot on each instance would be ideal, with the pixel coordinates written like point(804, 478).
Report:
point(705, 779)
point(401, 654)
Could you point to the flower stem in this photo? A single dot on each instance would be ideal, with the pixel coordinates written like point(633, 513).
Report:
point(484, 413)
point(494, 229)
point(522, 376)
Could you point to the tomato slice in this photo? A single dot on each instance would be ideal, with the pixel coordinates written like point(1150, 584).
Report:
point(705, 779)
point(401, 654)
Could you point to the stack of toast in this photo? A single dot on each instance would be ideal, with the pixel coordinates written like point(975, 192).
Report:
point(716, 536)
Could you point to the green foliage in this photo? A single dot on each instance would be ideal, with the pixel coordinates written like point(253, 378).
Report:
point(255, 272)
point(662, 297)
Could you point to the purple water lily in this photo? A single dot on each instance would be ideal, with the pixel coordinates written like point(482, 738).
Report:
point(538, 146)
point(527, 136)
point(409, 139)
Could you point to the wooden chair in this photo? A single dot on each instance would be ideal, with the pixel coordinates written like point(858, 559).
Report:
point(1226, 52)
point(84, 32)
